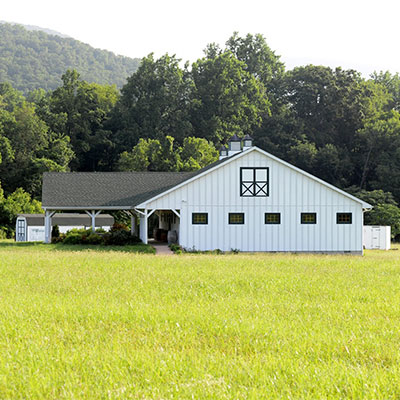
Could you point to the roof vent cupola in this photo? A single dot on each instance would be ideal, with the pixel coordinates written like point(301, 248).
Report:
point(223, 152)
point(247, 142)
point(234, 145)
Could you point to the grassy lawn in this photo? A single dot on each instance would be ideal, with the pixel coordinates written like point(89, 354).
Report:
point(11, 245)
point(111, 324)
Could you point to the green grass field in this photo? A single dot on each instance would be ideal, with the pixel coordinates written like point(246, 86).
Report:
point(95, 324)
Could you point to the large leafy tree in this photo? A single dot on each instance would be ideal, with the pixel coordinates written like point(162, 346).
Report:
point(16, 203)
point(226, 98)
point(260, 61)
point(27, 146)
point(328, 103)
point(154, 103)
point(392, 83)
point(156, 155)
point(151, 155)
point(79, 110)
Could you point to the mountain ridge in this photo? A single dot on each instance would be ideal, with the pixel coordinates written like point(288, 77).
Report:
point(38, 28)
point(33, 58)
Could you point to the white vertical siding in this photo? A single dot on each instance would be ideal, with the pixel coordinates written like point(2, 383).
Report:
point(290, 193)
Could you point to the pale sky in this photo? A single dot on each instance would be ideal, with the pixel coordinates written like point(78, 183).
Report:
point(359, 34)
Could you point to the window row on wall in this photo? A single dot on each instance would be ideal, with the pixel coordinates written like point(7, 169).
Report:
point(201, 218)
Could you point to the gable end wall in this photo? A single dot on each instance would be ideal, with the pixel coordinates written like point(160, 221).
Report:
point(290, 193)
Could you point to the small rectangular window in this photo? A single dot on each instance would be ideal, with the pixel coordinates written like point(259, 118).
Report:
point(272, 218)
point(199, 218)
point(308, 218)
point(236, 218)
point(344, 218)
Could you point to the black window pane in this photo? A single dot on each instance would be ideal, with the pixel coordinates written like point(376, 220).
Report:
point(272, 218)
point(344, 218)
point(199, 218)
point(308, 218)
point(236, 218)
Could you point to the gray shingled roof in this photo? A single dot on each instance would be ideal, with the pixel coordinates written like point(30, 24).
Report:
point(65, 219)
point(110, 189)
point(106, 189)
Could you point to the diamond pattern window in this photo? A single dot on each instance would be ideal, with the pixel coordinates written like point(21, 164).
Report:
point(254, 182)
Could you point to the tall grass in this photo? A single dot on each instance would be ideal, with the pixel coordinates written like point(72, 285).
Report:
point(92, 325)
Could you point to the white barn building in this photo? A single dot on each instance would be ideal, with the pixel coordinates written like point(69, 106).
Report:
point(249, 200)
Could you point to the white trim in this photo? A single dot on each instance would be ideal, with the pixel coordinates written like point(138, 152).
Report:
point(140, 212)
point(93, 214)
point(151, 212)
point(365, 205)
point(176, 212)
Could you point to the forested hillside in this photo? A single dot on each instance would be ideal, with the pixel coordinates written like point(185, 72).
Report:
point(34, 59)
point(332, 123)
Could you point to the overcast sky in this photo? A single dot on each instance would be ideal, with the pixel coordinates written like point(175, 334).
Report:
point(359, 34)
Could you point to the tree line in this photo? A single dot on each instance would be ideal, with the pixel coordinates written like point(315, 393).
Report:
point(171, 116)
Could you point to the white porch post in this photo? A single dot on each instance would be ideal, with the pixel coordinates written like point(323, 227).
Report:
point(93, 214)
point(47, 225)
point(143, 227)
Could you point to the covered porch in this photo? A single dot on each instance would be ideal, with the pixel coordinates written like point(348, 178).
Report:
point(49, 214)
point(95, 192)
point(166, 225)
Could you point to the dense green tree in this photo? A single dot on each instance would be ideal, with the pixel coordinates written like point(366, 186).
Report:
point(260, 61)
point(154, 103)
point(151, 155)
point(392, 84)
point(226, 99)
point(18, 202)
point(156, 155)
point(303, 154)
point(328, 103)
point(197, 153)
point(79, 110)
point(27, 146)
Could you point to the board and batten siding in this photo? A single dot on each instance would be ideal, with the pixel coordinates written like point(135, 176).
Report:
point(290, 193)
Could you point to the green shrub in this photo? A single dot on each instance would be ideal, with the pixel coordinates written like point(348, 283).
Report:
point(73, 238)
point(94, 238)
point(116, 237)
point(120, 238)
